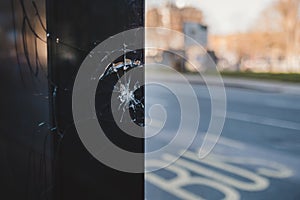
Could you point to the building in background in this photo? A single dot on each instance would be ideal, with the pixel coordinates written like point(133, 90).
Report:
point(192, 44)
point(272, 44)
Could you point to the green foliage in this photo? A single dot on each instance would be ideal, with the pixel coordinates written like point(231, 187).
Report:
point(292, 77)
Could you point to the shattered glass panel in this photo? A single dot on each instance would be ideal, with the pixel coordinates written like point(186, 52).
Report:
point(37, 128)
point(129, 91)
point(71, 42)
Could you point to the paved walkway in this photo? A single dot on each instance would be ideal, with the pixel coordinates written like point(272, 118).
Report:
point(263, 85)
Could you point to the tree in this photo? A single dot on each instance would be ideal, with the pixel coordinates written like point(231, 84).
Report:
point(283, 17)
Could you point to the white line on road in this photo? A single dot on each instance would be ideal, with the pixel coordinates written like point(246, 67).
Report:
point(176, 186)
point(263, 120)
point(228, 142)
point(254, 183)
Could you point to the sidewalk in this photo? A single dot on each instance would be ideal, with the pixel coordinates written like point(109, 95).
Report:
point(266, 86)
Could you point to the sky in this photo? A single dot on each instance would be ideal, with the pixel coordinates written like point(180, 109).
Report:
point(224, 16)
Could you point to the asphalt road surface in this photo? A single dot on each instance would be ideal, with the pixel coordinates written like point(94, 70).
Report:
point(256, 157)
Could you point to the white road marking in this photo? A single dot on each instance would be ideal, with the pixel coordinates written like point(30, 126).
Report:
point(222, 140)
point(212, 178)
point(263, 120)
point(256, 182)
point(170, 185)
point(264, 167)
point(228, 142)
point(176, 185)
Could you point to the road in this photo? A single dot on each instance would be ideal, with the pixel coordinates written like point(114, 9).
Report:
point(256, 157)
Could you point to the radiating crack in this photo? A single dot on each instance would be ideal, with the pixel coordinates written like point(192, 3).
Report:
point(127, 90)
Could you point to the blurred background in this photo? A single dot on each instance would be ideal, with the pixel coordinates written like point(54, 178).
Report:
point(260, 36)
point(255, 47)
